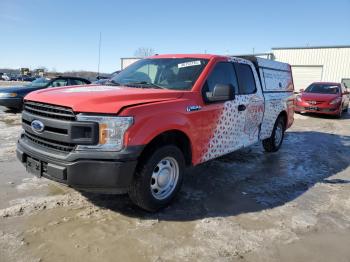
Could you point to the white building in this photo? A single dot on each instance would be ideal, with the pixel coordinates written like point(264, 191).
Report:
point(312, 64)
point(126, 61)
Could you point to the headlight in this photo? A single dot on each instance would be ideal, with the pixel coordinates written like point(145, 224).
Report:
point(111, 132)
point(335, 101)
point(298, 98)
point(5, 95)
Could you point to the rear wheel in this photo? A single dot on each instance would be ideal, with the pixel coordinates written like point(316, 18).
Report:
point(273, 143)
point(158, 178)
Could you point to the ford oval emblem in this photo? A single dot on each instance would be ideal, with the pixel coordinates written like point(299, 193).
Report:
point(37, 126)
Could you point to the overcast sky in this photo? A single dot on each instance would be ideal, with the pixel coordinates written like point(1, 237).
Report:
point(63, 35)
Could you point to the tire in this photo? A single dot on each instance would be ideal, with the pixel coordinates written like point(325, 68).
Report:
point(273, 143)
point(158, 178)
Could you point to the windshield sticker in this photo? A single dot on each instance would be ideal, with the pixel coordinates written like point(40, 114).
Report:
point(90, 89)
point(187, 64)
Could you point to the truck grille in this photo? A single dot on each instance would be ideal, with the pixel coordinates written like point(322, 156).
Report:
point(50, 111)
point(56, 129)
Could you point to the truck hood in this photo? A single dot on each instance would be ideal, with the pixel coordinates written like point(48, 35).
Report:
point(318, 97)
point(101, 99)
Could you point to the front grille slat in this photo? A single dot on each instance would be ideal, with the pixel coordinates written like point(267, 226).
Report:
point(49, 111)
point(66, 147)
point(53, 112)
point(49, 128)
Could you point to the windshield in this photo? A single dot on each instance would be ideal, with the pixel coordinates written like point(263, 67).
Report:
point(168, 73)
point(323, 89)
point(39, 82)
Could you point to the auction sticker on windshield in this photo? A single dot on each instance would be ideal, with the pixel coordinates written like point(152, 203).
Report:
point(187, 64)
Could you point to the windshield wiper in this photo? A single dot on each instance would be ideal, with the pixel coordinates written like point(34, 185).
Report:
point(111, 83)
point(144, 84)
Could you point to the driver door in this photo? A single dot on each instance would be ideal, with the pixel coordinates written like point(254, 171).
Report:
point(223, 122)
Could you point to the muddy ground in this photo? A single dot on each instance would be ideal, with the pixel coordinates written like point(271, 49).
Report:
point(293, 205)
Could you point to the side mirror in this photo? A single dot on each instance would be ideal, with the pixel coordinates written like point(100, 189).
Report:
point(302, 90)
point(221, 92)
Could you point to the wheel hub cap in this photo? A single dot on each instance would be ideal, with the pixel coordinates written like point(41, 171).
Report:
point(278, 134)
point(164, 178)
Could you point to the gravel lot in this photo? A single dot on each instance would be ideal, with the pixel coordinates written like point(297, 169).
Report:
point(293, 205)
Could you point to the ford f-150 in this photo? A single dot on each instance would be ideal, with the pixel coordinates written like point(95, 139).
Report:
point(137, 133)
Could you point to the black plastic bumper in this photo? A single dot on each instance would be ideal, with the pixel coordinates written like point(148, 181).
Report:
point(97, 175)
point(11, 102)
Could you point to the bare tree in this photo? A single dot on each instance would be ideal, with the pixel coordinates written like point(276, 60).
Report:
point(144, 52)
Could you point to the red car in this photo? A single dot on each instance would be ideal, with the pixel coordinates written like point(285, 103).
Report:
point(323, 98)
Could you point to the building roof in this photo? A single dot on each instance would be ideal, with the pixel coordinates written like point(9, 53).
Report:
point(312, 47)
point(132, 57)
point(199, 56)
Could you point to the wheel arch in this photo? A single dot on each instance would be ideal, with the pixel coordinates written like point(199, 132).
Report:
point(172, 137)
point(284, 115)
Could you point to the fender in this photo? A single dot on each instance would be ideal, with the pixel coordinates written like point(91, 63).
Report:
point(154, 119)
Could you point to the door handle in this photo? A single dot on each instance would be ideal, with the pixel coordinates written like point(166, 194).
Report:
point(241, 107)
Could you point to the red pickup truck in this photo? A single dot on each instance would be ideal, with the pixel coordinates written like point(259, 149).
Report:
point(137, 133)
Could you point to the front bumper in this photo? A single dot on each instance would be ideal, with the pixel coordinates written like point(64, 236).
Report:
point(11, 102)
point(97, 172)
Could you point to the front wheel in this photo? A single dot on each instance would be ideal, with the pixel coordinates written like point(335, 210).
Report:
point(158, 178)
point(273, 143)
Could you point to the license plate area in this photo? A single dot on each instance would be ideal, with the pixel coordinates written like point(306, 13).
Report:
point(313, 108)
point(33, 166)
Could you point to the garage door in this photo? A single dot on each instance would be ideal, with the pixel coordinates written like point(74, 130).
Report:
point(305, 75)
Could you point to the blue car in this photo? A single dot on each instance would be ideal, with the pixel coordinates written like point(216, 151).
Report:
point(12, 97)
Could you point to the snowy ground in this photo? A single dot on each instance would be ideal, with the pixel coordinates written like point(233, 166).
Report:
point(293, 205)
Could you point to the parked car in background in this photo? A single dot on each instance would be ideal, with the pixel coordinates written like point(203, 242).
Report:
point(26, 78)
point(5, 77)
point(12, 97)
point(13, 77)
point(104, 80)
point(155, 118)
point(323, 98)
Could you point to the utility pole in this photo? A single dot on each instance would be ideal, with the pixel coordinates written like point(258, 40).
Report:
point(99, 57)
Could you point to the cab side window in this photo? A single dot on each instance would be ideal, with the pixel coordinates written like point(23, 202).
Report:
point(223, 73)
point(246, 79)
